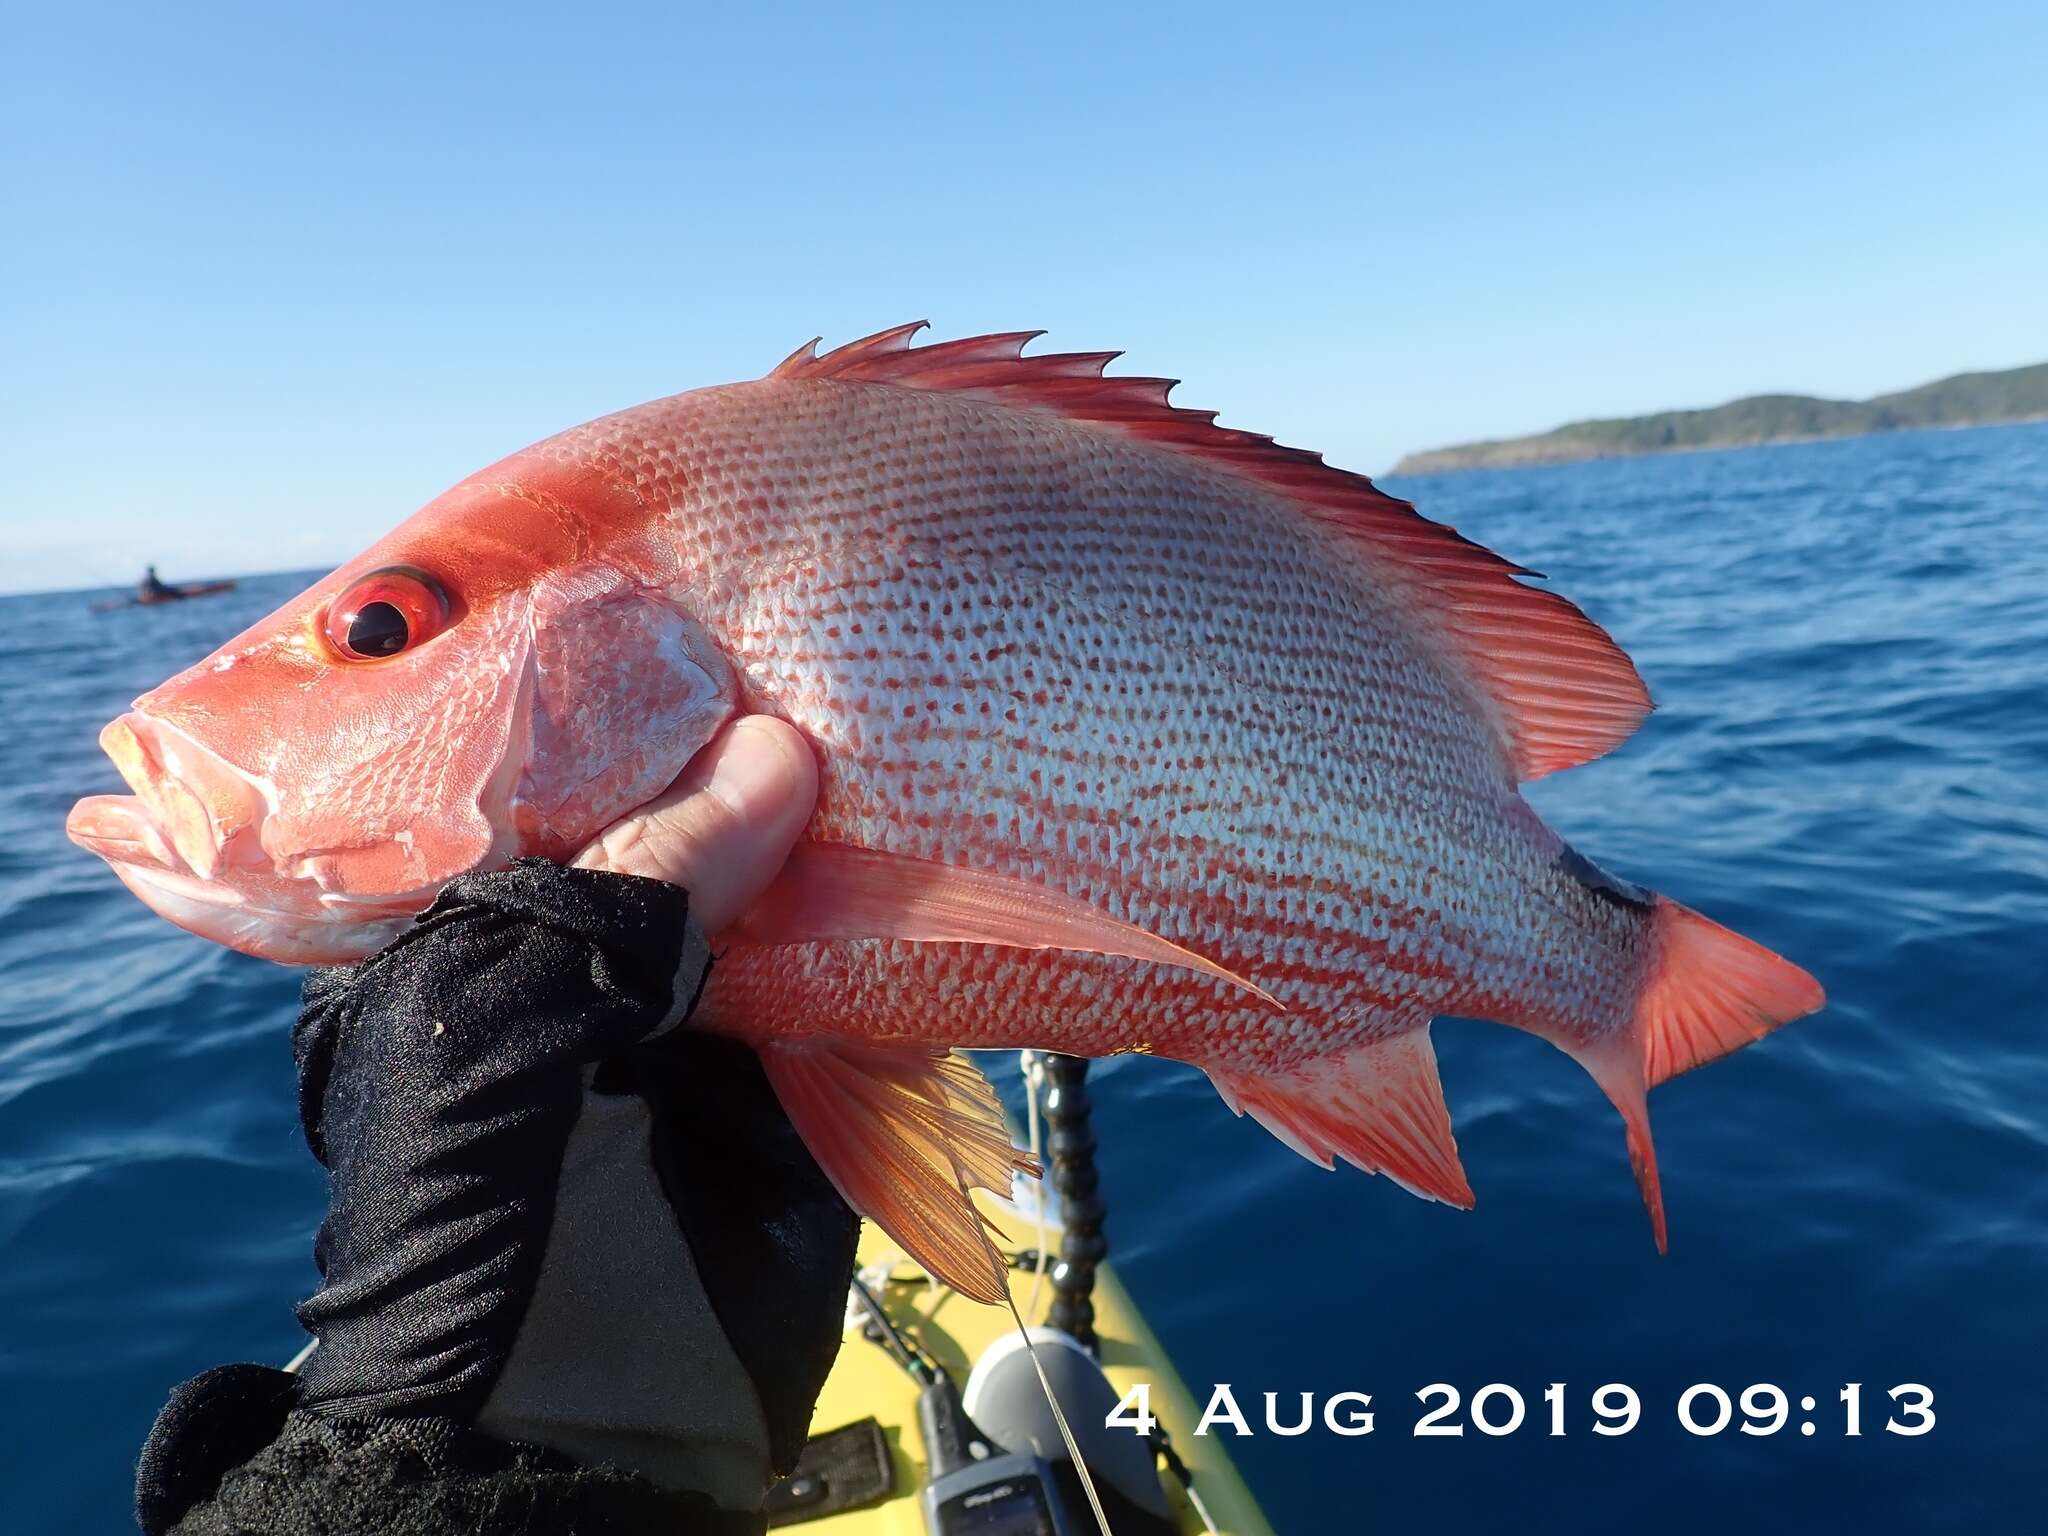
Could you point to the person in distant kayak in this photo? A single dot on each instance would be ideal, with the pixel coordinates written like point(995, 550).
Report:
point(151, 590)
point(579, 1273)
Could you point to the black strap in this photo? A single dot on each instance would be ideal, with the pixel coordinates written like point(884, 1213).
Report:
point(842, 1469)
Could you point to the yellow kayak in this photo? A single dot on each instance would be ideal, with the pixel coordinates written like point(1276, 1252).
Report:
point(873, 1381)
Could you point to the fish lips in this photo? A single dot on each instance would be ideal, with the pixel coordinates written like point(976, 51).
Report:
point(188, 843)
point(208, 811)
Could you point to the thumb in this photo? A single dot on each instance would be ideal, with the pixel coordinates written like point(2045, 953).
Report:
point(724, 828)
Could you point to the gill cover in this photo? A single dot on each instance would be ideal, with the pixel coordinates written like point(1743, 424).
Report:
point(526, 728)
point(625, 688)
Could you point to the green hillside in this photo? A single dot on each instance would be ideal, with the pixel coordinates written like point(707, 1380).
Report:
point(1967, 400)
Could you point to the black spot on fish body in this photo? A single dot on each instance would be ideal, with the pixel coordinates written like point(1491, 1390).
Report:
point(1611, 889)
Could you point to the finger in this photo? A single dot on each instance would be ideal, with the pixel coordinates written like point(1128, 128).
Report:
point(724, 828)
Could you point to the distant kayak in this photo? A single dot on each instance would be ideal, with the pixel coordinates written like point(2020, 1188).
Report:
point(176, 594)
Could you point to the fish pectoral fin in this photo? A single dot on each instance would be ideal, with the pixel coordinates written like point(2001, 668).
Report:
point(842, 891)
point(905, 1133)
point(1378, 1105)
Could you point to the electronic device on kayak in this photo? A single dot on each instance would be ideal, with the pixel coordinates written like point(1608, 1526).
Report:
point(997, 1463)
point(975, 1488)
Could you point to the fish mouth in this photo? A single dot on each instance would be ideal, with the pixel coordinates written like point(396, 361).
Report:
point(210, 813)
point(189, 843)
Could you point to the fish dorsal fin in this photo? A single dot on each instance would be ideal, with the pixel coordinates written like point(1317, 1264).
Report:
point(1563, 692)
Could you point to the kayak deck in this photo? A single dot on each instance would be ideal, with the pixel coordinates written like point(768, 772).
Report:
point(867, 1381)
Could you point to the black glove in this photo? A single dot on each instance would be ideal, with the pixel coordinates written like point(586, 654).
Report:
point(555, 1218)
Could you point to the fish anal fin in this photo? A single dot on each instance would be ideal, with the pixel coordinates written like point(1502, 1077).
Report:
point(905, 1133)
point(842, 891)
point(1561, 691)
point(1378, 1105)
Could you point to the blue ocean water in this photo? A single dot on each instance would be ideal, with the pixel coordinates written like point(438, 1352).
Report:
point(1849, 643)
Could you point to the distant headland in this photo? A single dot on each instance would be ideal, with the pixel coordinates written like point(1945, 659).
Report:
point(1967, 400)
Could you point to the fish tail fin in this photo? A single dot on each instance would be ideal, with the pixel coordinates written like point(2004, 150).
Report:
point(1711, 991)
point(1377, 1104)
point(1708, 991)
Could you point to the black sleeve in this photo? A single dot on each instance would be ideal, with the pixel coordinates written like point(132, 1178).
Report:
point(602, 962)
point(438, 1082)
point(230, 1456)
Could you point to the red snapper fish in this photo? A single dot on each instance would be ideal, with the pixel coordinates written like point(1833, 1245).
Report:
point(1135, 733)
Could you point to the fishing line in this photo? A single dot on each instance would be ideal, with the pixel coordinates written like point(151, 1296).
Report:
point(1059, 1416)
point(1033, 1065)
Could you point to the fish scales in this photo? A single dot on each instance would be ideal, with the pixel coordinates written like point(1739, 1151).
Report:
point(968, 605)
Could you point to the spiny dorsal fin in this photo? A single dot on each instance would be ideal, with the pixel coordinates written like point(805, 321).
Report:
point(1563, 690)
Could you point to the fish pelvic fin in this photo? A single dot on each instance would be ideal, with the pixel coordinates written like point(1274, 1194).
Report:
point(1708, 991)
point(1557, 688)
point(830, 891)
point(1376, 1104)
point(905, 1134)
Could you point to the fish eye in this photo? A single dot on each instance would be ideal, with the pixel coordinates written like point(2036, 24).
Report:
point(386, 612)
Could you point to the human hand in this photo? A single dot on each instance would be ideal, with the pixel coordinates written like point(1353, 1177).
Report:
point(723, 829)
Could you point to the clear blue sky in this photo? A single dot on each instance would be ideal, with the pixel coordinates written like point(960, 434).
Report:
point(271, 277)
